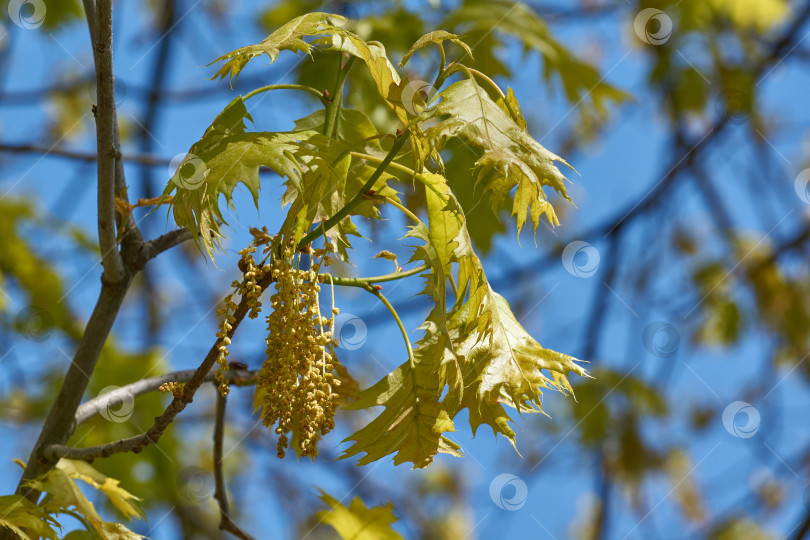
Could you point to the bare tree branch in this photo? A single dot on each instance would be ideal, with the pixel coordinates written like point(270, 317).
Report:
point(153, 434)
point(116, 397)
point(162, 243)
point(118, 270)
point(106, 143)
point(25, 148)
point(221, 494)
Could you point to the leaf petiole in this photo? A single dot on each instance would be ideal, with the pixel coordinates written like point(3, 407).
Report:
point(303, 87)
point(363, 282)
point(384, 300)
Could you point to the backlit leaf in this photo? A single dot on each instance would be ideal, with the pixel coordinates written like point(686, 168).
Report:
point(510, 156)
point(437, 36)
point(357, 522)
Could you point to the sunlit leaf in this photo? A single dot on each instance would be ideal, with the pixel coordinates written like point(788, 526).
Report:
point(357, 522)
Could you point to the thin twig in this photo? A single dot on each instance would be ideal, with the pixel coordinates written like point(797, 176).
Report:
point(153, 434)
point(162, 243)
point(221, 494)
point(116, 397)
point(27, 148)
point(106, 143)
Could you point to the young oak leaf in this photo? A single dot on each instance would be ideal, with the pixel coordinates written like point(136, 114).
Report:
point(509, 363)
point(382, 71)
point(497, 361)
point(476, 348)
point(438, 37)
point(20, 515)
point(329, 35)
point(413, 422)
point(123, 500)
point(287, 38)
point(329, 177)
point(510, 156)
point(358, 522)
point(224, 157)
point(354, 128)
point(65, 494)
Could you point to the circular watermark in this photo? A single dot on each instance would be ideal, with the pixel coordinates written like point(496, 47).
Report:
point(661, 339)
point(195, 484)
point(580, 259)
point(801, 185)
point(28, 14)
point(741, 419)
point(118, 410)
point(416, 95)
point(735, 105)
point(34, 323)
point(653, 26)
point(508, 492)
point(188, 171)
point(350, 331)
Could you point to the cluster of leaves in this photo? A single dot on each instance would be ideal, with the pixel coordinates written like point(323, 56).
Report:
point(64, 496)
point(519, 29)
point(474, 355)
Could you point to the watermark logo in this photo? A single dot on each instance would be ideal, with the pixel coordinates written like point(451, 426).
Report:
point(416, 95)
point(28, 14)
point(117, 410)
point(508, 492)
point(350, 331)
point(741, 419)
point(195, 484)
point(661, 339)
point(580, 259)
point(735, 105)
point(188, 171)
point(800, 186)
point(34, 323)
point(653, 26)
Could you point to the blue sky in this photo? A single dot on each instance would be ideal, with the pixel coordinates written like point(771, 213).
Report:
point(629, 157)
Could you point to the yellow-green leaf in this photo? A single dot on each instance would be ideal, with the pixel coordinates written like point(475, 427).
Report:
point(224, 157)
point(357, 522)
point(510, 156)
point(287, 38)
point(412, 424)
point(437, 36)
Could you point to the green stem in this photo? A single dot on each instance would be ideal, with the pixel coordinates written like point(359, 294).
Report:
point(453, 283)
point(384, 300)
point(363, 282)
point(489, 81)
point(375, 159)
point(443, 65)
point(335, 103)
point(401, 208)
point(472, 73)
point(358, 197)
point(303, 87)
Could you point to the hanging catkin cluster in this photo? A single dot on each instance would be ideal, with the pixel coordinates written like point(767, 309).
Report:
point(249, 289)
point(298, 377)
